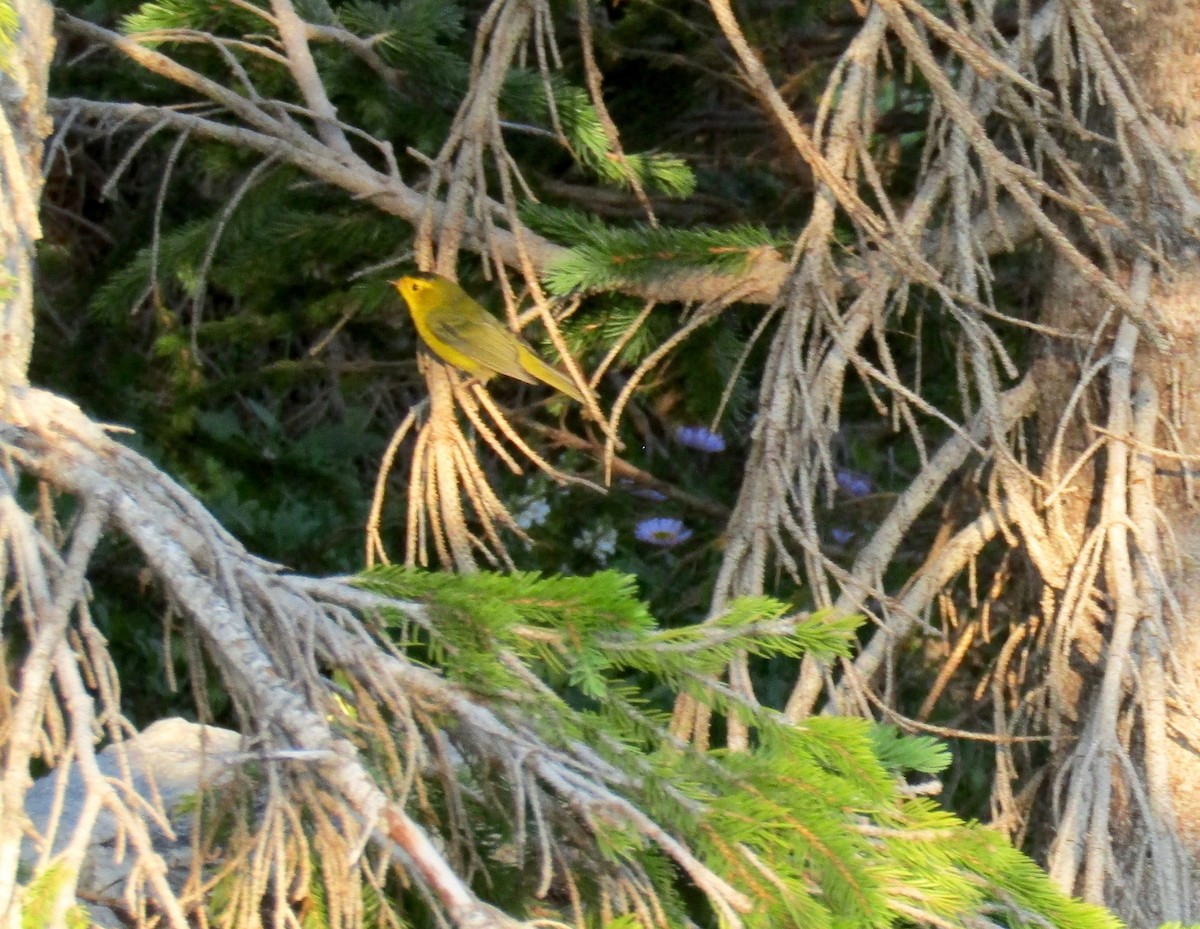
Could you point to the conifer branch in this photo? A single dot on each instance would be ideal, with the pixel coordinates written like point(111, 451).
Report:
point(294, 33)
point(763, 529)
point(256, 129)
point(177, 545)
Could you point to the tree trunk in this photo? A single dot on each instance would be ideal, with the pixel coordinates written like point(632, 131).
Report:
point(1123, 817)
point(24, 73)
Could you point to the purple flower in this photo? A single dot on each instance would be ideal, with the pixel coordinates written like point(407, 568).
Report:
point(663, 531)
point(640, 490)
point(699, 438)
point(840, 535)
point(854, 483)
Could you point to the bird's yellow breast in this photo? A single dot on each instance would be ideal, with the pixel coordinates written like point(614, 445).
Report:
point(427, 297)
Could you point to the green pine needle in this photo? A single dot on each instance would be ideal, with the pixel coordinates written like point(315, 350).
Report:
point(602, 256)
point(421, 37)
point(525, 99)
point(814, 805)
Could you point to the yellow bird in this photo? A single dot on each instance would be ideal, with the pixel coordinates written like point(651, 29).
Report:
point(460, 331)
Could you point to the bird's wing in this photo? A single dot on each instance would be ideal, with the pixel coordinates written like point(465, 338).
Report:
point(485, 340)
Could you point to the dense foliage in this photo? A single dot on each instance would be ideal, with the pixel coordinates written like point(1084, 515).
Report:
point(240, 320)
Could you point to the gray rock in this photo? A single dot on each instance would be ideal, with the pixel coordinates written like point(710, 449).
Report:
point(178, 758)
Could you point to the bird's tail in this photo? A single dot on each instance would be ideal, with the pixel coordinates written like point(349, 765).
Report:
point(548, 375)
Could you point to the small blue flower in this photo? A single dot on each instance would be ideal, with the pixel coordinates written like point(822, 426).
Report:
point(641, 490)
point(699, 438)
point(663, 531)
point(854, 483)
point(840, 535)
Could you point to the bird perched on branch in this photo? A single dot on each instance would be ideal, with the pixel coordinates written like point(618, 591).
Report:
point(460, 331)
